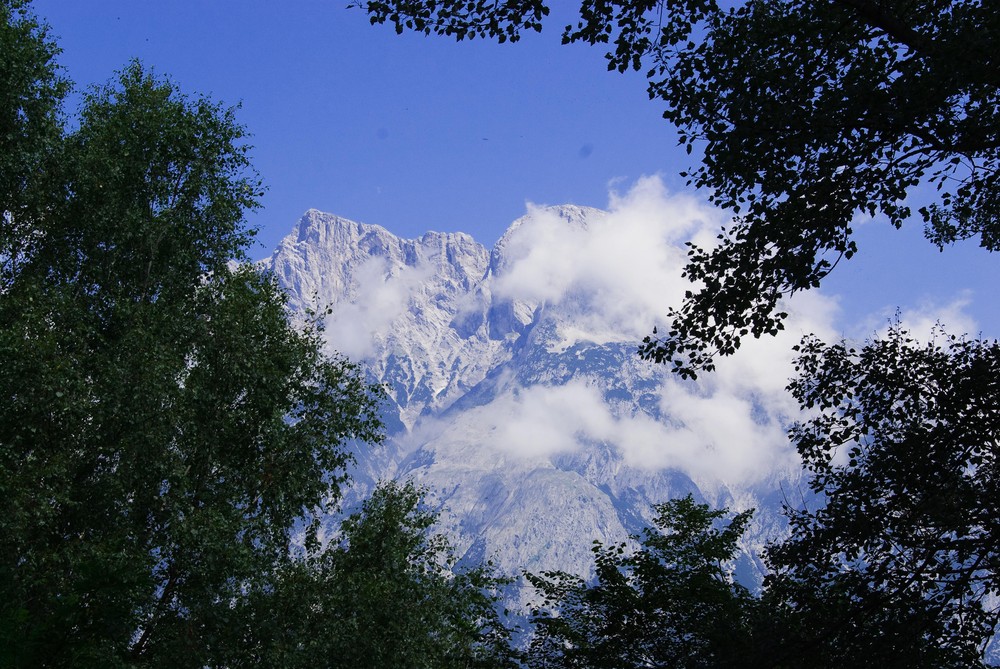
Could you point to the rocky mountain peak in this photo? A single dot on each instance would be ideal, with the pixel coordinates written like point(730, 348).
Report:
point(534, 436)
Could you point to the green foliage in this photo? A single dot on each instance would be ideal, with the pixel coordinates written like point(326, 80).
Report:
point(670, 603)
point(461, 19)
point(899, 567)
point(31, 93)
point(806, 115)
point(162, 425)
point(809, 115)
point(385, 593)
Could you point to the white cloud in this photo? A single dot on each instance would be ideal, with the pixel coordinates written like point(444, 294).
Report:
point(728, 427)
point(725, 435)
point(921, 320)
point(380, 293)
point(543, 421)
point(621, 271)
point(713, 435)
point(611, 281)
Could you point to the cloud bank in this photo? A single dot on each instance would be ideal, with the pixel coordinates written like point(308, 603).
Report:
point(621, 271)
point(712, 437)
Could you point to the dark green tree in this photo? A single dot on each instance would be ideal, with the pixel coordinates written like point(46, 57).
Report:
point(385, 593)
point(162, 424)
point(899, 563)
point(670, 603)
point(31, 93)
point(806, 114)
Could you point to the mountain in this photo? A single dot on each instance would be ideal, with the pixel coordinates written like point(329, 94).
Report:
point(517, 396)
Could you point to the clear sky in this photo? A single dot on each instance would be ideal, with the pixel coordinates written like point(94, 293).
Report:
point(416, 133)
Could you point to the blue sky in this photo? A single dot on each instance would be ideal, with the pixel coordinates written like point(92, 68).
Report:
point(417, 134)
point(407, 132)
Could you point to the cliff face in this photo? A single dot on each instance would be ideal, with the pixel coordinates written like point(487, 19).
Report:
point(516, 394)
point(414, 310)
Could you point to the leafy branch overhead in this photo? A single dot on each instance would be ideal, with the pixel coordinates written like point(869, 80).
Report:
point(805, 115)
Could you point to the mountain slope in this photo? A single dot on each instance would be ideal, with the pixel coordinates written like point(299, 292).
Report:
point(516, 394)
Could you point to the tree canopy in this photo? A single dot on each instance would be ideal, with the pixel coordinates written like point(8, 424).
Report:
point(805, 115)
point(170, 443)
point(386, 592)
point(670, 603)
point(163, 426)
point(898, 564)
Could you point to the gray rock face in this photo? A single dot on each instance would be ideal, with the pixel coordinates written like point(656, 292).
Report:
point(412, 309)
point(535, 435)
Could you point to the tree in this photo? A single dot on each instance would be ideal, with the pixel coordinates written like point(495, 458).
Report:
point(807, 114)
point(30, 123)
point(900, 563)
point(386, 593)
point(163, 426)
point(671, 603)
